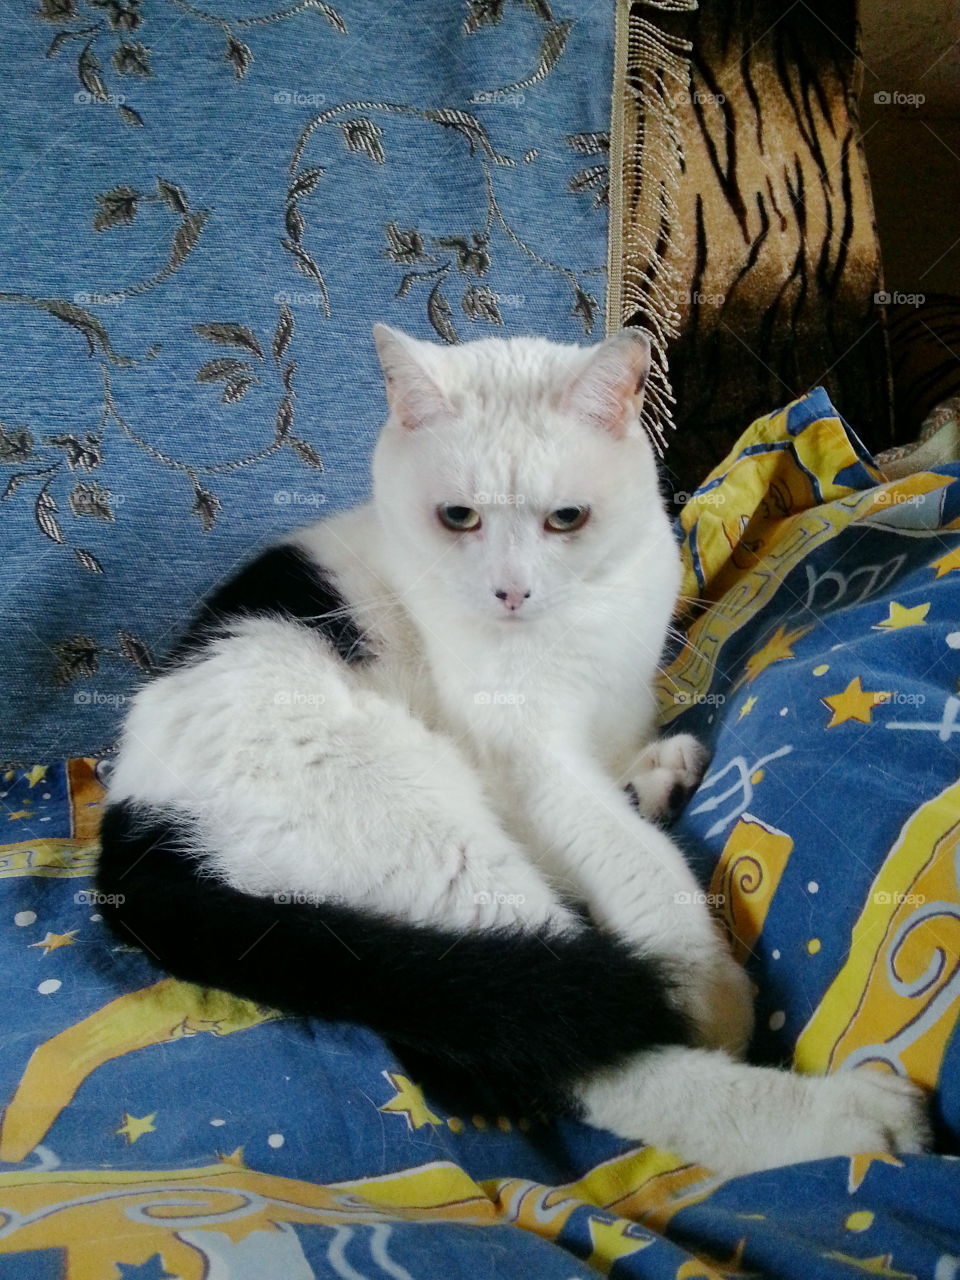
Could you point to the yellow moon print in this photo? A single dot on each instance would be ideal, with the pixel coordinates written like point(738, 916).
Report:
point(896, 1000)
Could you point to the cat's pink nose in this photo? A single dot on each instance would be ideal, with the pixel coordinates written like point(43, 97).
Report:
point(512, 600)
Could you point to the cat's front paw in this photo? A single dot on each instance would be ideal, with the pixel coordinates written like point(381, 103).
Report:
point(850, 1113)
point(666, 773)
point(876, 1111)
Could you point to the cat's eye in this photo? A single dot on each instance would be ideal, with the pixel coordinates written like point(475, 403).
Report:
point(460, 519)
point(566, 519)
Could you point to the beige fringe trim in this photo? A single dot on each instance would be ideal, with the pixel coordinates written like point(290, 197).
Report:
point(651, 75)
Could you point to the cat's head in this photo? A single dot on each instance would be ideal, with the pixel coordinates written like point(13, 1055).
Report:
point(512, 473)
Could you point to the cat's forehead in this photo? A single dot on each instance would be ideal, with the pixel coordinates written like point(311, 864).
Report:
point(513, 370)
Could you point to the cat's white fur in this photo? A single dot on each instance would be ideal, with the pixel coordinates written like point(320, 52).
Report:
point(474, 774)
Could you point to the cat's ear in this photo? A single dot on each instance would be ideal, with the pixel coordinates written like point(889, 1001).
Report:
point(608, 390)
point(414, 398)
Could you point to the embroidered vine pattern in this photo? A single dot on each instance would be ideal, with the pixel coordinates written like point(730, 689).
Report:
point(129, 57)
point(38, 465)
point(468, 253)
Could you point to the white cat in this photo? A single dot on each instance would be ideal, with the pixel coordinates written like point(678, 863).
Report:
point(384, 777)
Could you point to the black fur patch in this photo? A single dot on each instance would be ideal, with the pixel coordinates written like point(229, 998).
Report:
point(281, 581)
point(503, 1021)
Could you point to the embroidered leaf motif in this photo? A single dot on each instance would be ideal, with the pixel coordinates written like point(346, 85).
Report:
point(135, 651)
point(288, 373)
point(306, 453)
point(76, 656)
point(44, 512)
point(64, 37)
point(480, 303)
point(173, 195)
point(91, 500)
point(89, 326)
point(284, 419)
point(129, 116)
point(240, 54)
point(132, 59)
point(83, 455)
point(585, 306)
point(13, 484)
point(471, 257)
point(470, 127)
point(230, 335)
point(489, 12)
point(88, 560)
point(115, 208)
point(283, 332)
point(440, 315)
point(185, 238)
point(593, 179)
point(57, 10)
point(405, 246)
point(307, 266)
point(330, 14)
point(15, 446)
point(237, 388)
point(363, 135)
point(293, 220)
point(589, 144)
point(221, 370)
point(304, 183)
point(206, 505)
point(120, 16)
point(483, 13)
point(88, 69)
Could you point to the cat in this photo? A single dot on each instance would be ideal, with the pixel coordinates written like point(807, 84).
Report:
point(403, 770)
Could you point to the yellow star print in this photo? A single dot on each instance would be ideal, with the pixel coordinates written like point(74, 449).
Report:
point(747, 707)
point(54, 941)
point(777, 649)
point(135, 1127)
point(19, 813)
point(947, 564)
point(612, 1241)
point(36, 774)
point(855, 703)
point(860, 1167)
point(901, 617)
point(408, 1102)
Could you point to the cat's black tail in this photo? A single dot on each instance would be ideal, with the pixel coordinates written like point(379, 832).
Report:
point(501, 1020)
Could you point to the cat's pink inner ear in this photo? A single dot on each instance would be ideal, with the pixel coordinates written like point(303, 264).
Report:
point(413, 396)
point(608, 390)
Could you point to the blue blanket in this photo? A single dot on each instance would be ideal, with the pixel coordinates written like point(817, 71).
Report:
point(154, 1130)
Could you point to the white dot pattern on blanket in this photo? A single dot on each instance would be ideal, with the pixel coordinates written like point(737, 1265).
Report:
point(953, 639)
point(49, 986)
point(777, 1020)
point(276, 1140)
point(23, 918)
